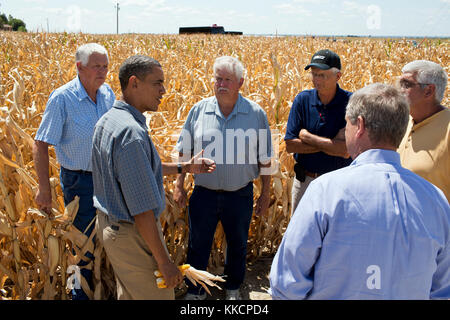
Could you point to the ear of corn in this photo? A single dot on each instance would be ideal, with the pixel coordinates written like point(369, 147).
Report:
point(32, 65)
point(204, 278)
point(53, 249)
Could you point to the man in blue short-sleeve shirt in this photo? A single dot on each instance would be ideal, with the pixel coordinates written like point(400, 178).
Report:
point(315, 128)
point(68, 124)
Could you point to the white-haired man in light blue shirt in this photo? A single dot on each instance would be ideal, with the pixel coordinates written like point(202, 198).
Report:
point(233, 131)
point(68, 124)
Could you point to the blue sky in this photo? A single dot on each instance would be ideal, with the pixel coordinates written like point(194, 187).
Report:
point(311, 17)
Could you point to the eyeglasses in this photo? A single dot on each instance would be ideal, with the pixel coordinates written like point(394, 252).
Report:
point(319, 76)
point(405, 84)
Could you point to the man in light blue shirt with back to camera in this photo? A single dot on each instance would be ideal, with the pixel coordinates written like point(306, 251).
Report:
point(373, 230)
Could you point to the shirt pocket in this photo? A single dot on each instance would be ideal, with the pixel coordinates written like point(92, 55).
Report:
point(209, 137)
point(83, 127)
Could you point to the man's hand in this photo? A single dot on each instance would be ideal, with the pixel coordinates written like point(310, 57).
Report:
point(304, 135)
point(148, 227)
point(44, 200)
point(180, 196)
point(262, 204)
point(171, 274)
point(198, 164)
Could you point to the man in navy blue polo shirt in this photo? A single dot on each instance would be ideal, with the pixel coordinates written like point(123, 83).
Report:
point(315, 130)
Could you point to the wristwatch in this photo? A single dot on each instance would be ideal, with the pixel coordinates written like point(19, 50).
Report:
point(179, 168)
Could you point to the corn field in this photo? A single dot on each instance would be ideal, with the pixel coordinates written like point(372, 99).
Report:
point(36, 251)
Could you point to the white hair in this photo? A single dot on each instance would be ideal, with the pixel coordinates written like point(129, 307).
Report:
point(428, 72)
point(230, 64)
point(86, 50)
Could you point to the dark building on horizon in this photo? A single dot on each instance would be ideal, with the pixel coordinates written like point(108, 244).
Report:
point(214, 29)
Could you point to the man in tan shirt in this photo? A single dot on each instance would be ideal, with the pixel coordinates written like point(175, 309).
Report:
point(425, 148)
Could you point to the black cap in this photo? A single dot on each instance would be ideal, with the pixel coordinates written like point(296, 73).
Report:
point(325, 59)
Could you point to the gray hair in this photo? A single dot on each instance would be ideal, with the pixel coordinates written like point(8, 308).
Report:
point(385, 111)
point(335, 70)
point(230, 64)
point(428, 72)
point(138, 66)
point(86, 50)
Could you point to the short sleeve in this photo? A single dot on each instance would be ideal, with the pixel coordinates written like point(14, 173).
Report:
point(185, 143)
point(265, 151)
point(294, 123)
point(52, 123)
point(136, 178)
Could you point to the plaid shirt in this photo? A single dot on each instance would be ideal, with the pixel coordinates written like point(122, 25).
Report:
point(127, 170)
point(68, 122)
point(206, 118)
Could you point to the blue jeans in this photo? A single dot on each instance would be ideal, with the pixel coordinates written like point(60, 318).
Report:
point(77, 183)
point(234, 210)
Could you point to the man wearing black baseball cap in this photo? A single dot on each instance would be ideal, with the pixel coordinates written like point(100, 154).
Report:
point(325, 60)
point(316, 124)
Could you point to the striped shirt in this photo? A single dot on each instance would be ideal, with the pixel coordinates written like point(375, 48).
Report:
point(68, 122)
point(236, 143)
point(127, 170)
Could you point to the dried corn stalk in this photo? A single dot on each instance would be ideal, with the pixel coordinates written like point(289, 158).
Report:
point(32, 65)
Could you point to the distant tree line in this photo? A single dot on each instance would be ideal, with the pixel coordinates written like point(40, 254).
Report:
point(16, 24)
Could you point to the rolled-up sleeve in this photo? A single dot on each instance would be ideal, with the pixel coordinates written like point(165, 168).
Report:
point(292, 272)
point(139, 187)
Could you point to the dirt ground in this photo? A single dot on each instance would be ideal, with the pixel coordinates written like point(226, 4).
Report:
point(255, 285)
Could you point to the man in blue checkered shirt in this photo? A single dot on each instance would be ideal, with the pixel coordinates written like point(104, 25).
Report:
point(68, 124)
point(128, 185)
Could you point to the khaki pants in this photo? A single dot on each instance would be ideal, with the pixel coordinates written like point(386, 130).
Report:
point(131, 260)
point(298, 189)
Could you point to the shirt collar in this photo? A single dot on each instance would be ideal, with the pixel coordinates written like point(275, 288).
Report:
point(81, 92)
point(238, 107)
point(426, 121)
point(377, 156)
point(316, 101)
point(119, 104)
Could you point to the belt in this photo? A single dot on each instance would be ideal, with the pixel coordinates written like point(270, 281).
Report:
point(113, 223)
point(223, 191)
point(79, 171)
